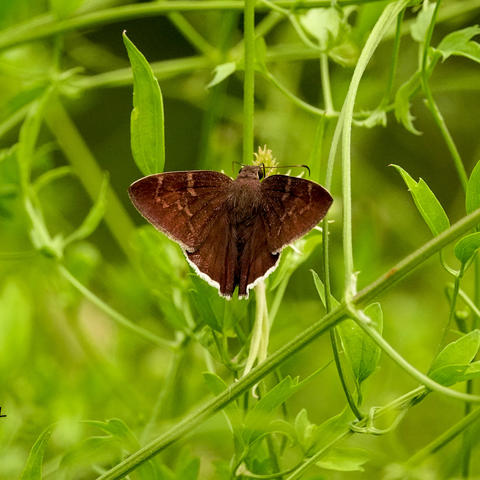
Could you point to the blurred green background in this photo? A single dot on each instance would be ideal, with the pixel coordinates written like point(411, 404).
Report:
point(64, 361)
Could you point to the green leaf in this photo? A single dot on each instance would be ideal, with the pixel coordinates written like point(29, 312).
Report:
point(402, 102)
point(426, 202)
point(376, 117)
point(33, 467)
point(147, 122)
point(214, 383)
point(221, 72)
point(344, 459)
point(459, 43)
point(325, 25)
point(292, 258)
point(260, 54)
point(362, 352)
point(332, 429)
point(304, 430)
point(94, 216)
point(452, 362)
point(472, 199)
point(29, 134)
point(467, 246)
point(259, 417)
point(422, 22)
point(472, 371)
point(321, 290)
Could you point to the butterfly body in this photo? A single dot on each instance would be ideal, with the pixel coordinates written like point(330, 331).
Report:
point(232, 231)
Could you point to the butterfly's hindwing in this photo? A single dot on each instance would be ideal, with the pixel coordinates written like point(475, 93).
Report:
point(291, 207)
point(256, 260)
point(217, 257)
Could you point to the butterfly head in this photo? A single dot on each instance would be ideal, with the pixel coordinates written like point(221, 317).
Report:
point(256, 172)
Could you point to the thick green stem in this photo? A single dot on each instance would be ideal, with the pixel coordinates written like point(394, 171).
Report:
point(89, 173)
point(386, 281)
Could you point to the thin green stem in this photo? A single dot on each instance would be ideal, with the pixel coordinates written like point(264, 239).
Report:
point(443, 439)
point(327, 98)
point(295, 100)
point(386, 281)
point(326, 89)
point(470, 303)
point(364, 324)
point(393, 67)
point(249, 82)
point(162, 70)
point(432, 106)
point(453, 304)
point(317, 456)
point(85, 166)
point(161, 404)
point(118, 317)
point(192, 35)
point(381, 27)
point(351, 401)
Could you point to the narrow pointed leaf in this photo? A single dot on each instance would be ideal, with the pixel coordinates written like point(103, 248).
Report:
point(472, 199)
point(33, 467)
point(426, 202)
point(147, 121)
point(94, 216)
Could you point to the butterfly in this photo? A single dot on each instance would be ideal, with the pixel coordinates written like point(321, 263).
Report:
point(231, 231)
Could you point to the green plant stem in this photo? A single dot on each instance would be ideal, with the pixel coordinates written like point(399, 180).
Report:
point(393, 67)
point(119, 318)
point(403, 364)
point(195, 39)
point(47, 26)
point(365, 296)
point(317, 456)
point(162, 70)
point(471, 305)
point(249, 82)
point(326, 89)
point(327, 98)
point(403, 402)
point(295, 100)
point(388, 16)
point(161, 405)
point(453, 304)
point(432, 106)
point(89, 173)
point(446, 437)
point(351, 401)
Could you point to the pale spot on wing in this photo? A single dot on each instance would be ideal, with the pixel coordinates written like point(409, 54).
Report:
point(192, 192)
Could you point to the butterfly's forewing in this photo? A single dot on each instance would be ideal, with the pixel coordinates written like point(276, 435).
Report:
point(291, 207)
point(183, 205)
point(256, 261)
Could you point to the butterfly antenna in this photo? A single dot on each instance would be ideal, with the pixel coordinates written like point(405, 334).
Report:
point(306, 167)
point(238, 163)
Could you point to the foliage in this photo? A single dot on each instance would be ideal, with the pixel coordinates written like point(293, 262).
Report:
point(108, 339)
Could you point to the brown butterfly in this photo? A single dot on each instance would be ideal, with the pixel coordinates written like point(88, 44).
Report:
point(231, 231)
